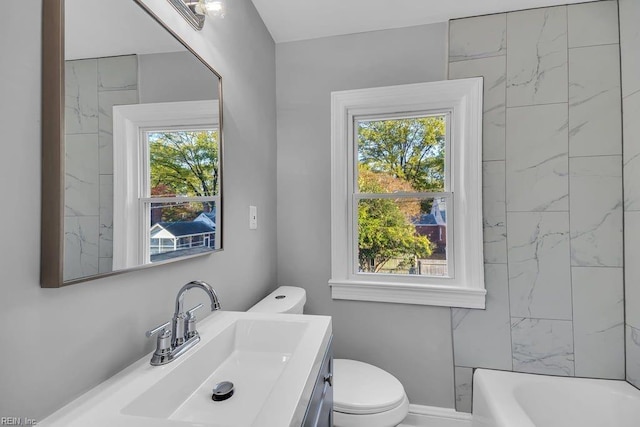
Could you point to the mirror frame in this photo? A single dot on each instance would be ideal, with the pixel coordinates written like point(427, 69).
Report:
point(53, 149)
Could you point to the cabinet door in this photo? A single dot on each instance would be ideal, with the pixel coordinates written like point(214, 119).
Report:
point(320, 409)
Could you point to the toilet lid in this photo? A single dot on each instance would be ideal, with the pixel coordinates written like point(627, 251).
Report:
point(360, 388)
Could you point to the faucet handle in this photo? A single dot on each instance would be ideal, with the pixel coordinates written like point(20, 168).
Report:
point(191, 312)
point(163, 329)
point(191, 322)
point(163, 344)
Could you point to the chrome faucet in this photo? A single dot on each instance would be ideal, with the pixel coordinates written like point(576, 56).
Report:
point(175, 341)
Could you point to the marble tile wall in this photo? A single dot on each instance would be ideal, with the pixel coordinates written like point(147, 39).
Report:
point(552, 193)
point(630, 59)
point(93, 87)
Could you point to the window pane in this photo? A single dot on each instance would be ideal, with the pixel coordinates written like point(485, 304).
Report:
point(403, 236)
point(179, 229)
point(183, 163)
point(402, 155)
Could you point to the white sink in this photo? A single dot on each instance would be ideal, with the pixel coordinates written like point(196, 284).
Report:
point(272, 359)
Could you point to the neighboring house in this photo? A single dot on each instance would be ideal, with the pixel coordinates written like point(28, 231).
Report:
point(173, 236)
point(434, 226)
point(207, 218)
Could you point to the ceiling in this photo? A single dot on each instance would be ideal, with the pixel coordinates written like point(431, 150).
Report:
point(290, 20)
point(97, 28)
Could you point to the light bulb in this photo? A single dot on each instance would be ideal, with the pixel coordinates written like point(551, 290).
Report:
point(211, 8)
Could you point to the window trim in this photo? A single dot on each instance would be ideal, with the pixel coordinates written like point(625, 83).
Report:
point(129, 124)
point(463, 98)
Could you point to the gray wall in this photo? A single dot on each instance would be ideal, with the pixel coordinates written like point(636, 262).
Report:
point(552, 193)
point(411, 342)
point(630, 52)
point(58, 343)
point(175, 76)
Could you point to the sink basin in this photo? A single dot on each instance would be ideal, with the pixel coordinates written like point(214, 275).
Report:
point(272, 359)
point(250, 353)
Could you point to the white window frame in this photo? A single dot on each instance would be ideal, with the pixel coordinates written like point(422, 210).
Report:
point(130, 123)
point(463, 99)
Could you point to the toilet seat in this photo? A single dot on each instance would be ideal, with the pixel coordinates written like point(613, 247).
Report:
point(365, 395)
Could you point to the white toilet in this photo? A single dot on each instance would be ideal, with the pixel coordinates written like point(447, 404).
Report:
point(363, 395)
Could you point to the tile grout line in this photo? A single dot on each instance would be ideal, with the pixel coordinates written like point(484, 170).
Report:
point(625, 345)
point(506, 212)
point(573, 329)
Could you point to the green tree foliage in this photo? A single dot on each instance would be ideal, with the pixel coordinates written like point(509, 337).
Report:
point(409, 149)
point(184, 163)
point(385, 230)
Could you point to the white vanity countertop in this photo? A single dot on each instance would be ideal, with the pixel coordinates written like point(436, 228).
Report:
point(273, 359)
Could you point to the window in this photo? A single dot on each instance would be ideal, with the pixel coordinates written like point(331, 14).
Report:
point(166, 182)
point(179, 192)
point(400, 193)
point(406, 194)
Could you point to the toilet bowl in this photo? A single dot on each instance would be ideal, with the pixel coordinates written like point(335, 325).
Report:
point(363, 395)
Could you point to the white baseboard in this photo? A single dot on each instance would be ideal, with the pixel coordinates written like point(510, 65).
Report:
point(433, 416)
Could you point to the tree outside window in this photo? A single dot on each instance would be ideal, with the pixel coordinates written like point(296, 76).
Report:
point(398, 161)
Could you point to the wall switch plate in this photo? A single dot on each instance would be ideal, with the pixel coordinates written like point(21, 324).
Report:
point(253, 217)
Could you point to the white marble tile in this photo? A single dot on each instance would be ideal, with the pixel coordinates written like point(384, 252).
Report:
point(594, 23)
point(464, 383)
point(105, 265)
point(542, 346)
point(598, 322)
point(106, 216)
point(494, 221)
point(477, 37)
point(118, 73)
point(537, 158)
point(81, 96)
point(105, 146)
point(631, 132)
point(537, 56)
point(81, 175)
point(632, 267)
point(596, 211)
point(107, 100)
point(630, 46)
point(633, 355)
point(482, 338)
point(493, 70)
point(80, 247)
point(106, 196)
point(539, 265)
point(595, 118)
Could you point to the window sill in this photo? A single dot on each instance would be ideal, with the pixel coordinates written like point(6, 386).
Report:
point(444, 296)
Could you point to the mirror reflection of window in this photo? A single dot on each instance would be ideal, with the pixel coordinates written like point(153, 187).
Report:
point(181, 163)
point(167, 188)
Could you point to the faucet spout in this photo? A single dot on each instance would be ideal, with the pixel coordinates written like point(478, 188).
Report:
point(178, 332)
point(215, 303)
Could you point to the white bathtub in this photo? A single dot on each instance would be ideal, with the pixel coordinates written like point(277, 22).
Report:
point(508, 399)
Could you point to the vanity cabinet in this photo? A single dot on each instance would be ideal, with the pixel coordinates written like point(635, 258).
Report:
point(320, 409)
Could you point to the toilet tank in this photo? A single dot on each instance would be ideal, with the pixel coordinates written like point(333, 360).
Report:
point(285, 299)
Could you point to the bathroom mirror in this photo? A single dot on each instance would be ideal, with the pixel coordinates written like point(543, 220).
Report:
point(131, 143)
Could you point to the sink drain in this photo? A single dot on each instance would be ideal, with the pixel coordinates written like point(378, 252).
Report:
point(222, 391)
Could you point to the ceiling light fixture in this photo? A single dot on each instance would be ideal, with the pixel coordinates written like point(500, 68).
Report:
point(194, 11)
point(210, 7)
